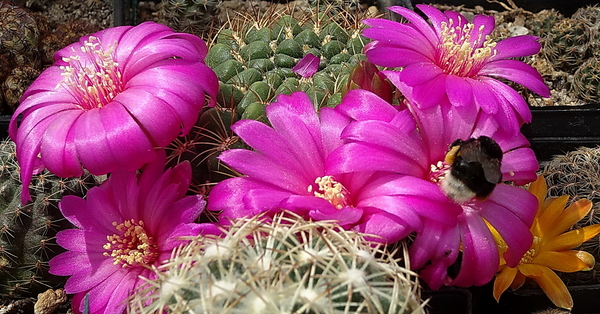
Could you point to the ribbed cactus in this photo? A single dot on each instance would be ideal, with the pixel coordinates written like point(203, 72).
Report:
point(586, 81)
point(566, 45)
point(288, 265)
point(254, 60)
point(27, 232)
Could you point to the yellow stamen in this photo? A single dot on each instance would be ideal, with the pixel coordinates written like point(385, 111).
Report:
point(459, 54)
point(332, 191)
point(131, 246)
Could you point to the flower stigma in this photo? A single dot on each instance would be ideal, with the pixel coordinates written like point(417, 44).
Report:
point(133, 246)
point(95, 80)
point(458, 54)
point(332, 191)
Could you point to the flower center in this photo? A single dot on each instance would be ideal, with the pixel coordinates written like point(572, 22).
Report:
point(131, 246)
point(95, 80)
point(459, 53)
point(332, 191)
point(530, 254)
point(437, 172)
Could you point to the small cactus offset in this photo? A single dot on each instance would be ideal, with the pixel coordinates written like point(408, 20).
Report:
point(27, 232)
point(586, 80)
point(288, 265)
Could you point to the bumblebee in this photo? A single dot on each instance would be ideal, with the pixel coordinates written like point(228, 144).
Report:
point(474, 169)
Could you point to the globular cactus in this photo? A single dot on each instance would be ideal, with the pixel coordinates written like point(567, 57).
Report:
point(566, 44)
point(189, 16)
point(541, 23)
point(27, 232)
point(287, 265)
point(17, 82)
point(254, 60)
point(586, 81)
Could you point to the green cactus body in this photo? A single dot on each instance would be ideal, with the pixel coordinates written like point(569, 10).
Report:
point(27, 232)
point(254, 53)
point(567, 43)
point(586, 81)
point(288, 265)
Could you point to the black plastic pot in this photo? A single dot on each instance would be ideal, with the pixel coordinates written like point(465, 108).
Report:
point(559, 129)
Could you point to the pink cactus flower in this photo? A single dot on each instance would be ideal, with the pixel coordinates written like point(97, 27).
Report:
point(307, 66)
point(455, 59)
point(125, 225)
point(288, 170)
point(110, 100)
point(414, 142)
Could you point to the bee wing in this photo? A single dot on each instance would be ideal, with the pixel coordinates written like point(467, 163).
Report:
point(491, 170)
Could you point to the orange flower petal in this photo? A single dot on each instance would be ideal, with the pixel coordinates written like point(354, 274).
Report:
point(503, 280)
point(550, 217)
point(554, 288)
point(572, 238)
point(565, 261)
point(539, 188)
point(569, 217)
point(519, 281)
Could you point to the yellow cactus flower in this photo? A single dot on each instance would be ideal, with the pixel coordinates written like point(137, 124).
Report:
point(552, 248)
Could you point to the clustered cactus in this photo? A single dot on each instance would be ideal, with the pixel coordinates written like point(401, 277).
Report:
point(287, 265)
point(27, 44)
point(27, 232)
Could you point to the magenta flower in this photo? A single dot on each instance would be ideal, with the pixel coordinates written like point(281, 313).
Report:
point(126, 224)
point(455, 59)
point(110, 100)
point(307, 66)
point(385, 139)
point(288, 170)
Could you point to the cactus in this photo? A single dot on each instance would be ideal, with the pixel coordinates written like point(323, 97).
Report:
point(17, 82)
point(543, 22)
point(586, 81)
point(288, 265)
point(253, 56)
point(190, 16)
point(27, 232)
point(566, 45)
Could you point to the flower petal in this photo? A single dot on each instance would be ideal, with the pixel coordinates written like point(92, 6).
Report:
point(552, 285)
